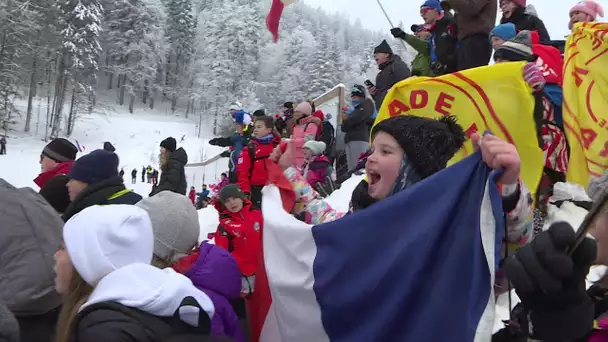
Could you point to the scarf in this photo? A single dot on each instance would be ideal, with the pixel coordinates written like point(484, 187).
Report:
point(267, 139)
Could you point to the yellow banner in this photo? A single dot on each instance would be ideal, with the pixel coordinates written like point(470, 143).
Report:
point(586, 101)
point(493, 98)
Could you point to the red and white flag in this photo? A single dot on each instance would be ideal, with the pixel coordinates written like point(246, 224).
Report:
point(274, 16)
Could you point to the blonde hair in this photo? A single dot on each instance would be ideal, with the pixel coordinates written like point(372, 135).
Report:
point(78, 293)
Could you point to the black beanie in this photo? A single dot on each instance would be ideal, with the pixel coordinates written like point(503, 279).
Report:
point(358, 90)
point(60, 150)
point(95, 167)
point(288, 105)
point(258, 113)
point(428, 143)
point(169, 144)
point(109, 147)
point(56, 193)
point(383, 47)
point(231, 190)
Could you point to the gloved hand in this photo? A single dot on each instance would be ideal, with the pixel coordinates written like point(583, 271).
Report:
point(397, 32)
point(551, 284)
point(533, 75)
point(214, 141)
point(225, 154)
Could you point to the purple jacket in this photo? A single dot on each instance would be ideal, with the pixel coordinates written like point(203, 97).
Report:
point(215, 272)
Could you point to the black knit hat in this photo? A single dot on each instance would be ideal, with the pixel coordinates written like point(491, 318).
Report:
point(289, 105)
point(519, 48)
point(259, 112)
point(95, 167)
point(383, 47)
point(109, 147)
point(56, 193)
point(428, 143)
point(60, 150)
point(169, 144)
point(358, 90)
point(231, 190)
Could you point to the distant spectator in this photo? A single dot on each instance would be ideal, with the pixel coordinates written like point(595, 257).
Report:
point(94, 180)
point(356, 125)
point(421, 65)
point(134, 176)
point(2, 145)
point(107, 146)
point(143, 174)
point(474, 19)
point(392, 70)
point(204, 192)
point(280, 121)
point(122, 174)
point(172, 163)
point(514, 11)
point(192, 195)
point(585, 11)
point(56, 159)
point(303, 127)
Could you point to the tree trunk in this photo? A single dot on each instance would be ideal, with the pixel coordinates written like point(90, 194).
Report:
point(121, 97)
point(146, 90)
point(152, 100)
point(71, 114)
point(132, 100)
point(32, 92)
point(110, 79)
point(61, 85)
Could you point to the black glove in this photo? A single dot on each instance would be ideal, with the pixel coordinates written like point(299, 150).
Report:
point(551, 284)
point(214, 141)
point(397, 32)
point(225, 154)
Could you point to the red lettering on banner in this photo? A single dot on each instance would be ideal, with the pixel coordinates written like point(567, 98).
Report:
point(596, 42)
point(419, 99)
point(444, 104)
point(602, 123)
point(604, 152)
point(397, 108)
point(577, 78)
point(472, 129)
point(588, 137)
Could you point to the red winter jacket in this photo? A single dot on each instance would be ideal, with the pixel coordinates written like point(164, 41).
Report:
point(239, 234)
point(257, 175)
point(61, 169)
point(192, 196)
point(549, 60)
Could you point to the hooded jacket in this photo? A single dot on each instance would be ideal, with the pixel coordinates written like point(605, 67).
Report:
point(61, 169)
point(391, 72)
point(474, 16)
point(356, 126)
point(253, 172)
point(316, 171)
point(526, 21)
point(421, 65)
point(239, 234)
point(306, 128)
point(549, 60)
point(173, 176)
point(214, 271)
point(142, 303)
point(110, 191)
point(31, 233)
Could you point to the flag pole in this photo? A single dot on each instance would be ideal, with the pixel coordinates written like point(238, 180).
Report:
point(389, 21)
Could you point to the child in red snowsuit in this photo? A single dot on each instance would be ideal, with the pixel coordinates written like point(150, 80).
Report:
point(252, 171)
point(239, 233)
point(192, 195)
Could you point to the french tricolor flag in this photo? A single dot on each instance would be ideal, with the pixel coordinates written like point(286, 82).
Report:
point(274, 16)
point(418, 266)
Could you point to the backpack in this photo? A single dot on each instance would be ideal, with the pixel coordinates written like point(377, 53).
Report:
point(182, 332)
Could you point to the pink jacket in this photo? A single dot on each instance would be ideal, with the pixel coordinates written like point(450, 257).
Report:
point(601, 334)
point(306, 129)
point(316, 170)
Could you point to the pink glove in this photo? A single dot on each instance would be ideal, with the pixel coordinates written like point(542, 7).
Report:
point(533, 75)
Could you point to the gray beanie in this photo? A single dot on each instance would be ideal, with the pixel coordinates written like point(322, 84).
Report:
point(174, 223)
point(9, 328)
point(598, 187)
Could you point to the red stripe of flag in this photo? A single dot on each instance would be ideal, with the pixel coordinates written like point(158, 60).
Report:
point(274, 17)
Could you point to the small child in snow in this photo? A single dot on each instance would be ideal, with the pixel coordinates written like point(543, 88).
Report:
point(316, 166)
point(239, 233)
point(192, 195)
point(252, 172)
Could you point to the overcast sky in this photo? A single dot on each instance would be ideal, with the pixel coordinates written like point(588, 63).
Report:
point(553, 12)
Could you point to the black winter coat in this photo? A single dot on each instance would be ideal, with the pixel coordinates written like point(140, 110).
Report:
point(110, 191)
point(525, 21)
point(357, 125)
point(105, 322)
point(173, 176)
point(445, 43)
point(391, 72)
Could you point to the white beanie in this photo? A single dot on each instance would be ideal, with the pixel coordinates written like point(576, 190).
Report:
point(174, 223)
point(101, 239)
point(316, 147)
point(236, 106)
